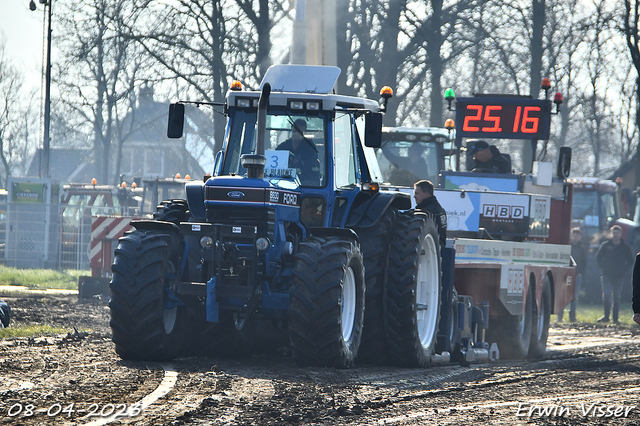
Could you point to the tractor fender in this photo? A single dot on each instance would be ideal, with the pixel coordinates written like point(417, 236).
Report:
point(334, 232)
point(155, 225)
point(195, 198)
point(368, 209)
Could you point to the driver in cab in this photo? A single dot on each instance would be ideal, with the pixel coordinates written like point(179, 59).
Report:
point(488, 159)
point(304, 154)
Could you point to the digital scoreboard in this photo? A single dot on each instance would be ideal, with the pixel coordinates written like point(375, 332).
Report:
point(507, 117)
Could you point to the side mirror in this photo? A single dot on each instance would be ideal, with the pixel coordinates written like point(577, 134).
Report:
point(175, 126)
point(564, 162)
point(373, 130)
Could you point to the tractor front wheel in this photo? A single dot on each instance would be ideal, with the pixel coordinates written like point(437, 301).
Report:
point(327, 302)
point(145, 314)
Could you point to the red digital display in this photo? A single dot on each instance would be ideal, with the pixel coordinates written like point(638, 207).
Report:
point(504, 118)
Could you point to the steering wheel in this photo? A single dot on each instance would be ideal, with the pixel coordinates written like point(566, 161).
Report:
point(298, 163)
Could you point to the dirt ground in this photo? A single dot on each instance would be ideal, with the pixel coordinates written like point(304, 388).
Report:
point(591, 375)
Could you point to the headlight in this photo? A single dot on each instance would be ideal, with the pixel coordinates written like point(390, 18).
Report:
point(206, 242)
point(262, 243)
point(243, 103)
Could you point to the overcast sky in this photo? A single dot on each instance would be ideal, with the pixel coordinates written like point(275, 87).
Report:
point(23, 37)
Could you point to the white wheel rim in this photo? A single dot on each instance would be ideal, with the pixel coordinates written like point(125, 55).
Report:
point(169, 318)
point(427, 292)
point(348, 303)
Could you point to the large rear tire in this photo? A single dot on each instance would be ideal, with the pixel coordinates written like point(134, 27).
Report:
point(512, 333)
point(374, 242)
point(144, 317)
point(540, 330)
point(413, 291)
point(327, 302)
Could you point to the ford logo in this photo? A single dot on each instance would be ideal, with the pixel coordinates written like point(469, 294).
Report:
point(235, 194)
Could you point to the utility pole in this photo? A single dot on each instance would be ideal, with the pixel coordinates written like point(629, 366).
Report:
point(44, 160)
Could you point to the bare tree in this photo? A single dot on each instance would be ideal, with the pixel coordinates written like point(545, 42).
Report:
point(403, 44)
point(203, 45)
point(17, 117)
point(99, 70)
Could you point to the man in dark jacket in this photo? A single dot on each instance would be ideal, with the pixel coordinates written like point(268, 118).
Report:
point(635, 303)
point(488, 158)
point(579, 254)
point(427, 202)
point(615, 258)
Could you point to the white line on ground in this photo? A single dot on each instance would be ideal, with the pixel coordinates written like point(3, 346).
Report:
point(168, 382)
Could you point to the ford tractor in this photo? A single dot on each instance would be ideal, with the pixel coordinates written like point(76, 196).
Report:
point(290, 230)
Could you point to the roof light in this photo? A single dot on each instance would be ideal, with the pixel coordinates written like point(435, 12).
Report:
point(94, 181)
point(178, 176)
point(243, 103)
point(557, 98)
point(449, 95)
point(236, 85)
point(546, 83)
point(187, 176)
point(134, 185)
point(123, 184)
point(296, 105)
point(386, 92)
point(449, 124)
point(313, 106)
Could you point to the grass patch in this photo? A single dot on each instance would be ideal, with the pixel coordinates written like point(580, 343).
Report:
point(31, 330)
point(591, 313)
point(41, 278)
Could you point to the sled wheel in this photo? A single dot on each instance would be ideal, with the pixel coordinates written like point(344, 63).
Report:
point(540, 330)
point(512, 333)
point(144, 318)
point(327, 302)
point(413, 291)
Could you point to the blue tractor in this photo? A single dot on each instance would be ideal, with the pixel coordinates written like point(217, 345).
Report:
point(292, 229)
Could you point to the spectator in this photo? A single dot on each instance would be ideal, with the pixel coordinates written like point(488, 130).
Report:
point(5, 314)
point(427, 202)
point(635, 303)
point(579, 254)
point(615, 258)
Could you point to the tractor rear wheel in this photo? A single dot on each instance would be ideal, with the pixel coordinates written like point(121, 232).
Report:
point(413, 291)
point(145, 315)
point(374, 242)
point(326, 312)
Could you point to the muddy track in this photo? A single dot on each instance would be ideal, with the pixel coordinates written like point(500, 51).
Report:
point(77, 378)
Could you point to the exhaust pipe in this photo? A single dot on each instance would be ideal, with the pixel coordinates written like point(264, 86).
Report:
point(254, 163)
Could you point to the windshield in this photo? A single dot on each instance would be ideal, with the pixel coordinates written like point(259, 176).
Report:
point(591, 207)
point(404, 163)
point(294, 146)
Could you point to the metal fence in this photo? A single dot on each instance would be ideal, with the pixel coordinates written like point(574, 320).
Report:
point(47, 235)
